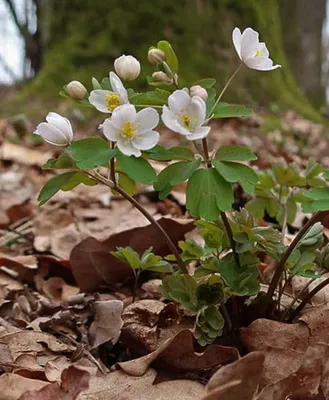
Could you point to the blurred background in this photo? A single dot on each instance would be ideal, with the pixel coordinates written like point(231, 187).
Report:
point(46, 43)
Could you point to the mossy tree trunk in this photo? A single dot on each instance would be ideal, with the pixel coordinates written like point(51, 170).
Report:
point(86, 37)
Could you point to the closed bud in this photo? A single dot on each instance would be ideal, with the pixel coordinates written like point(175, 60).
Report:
point(76, 90)
point(156, 56)
point(160, 76)
point(198, 90)
point(127, 67)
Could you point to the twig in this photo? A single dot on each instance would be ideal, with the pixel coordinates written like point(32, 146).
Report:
point(307, 298)
point(280, 268)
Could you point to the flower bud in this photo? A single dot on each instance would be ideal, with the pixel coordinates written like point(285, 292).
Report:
point(57, 130)
point(76, 90)
point(127, 67)
point(156, 56)
point(160, 76)
point(198, 90)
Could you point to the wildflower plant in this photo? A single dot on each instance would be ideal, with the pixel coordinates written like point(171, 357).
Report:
point(228, 263)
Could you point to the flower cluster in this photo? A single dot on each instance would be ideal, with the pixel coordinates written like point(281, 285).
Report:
point(133, 131)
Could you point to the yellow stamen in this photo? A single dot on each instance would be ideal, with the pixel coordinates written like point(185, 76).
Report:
point(128, 129)
point(259, 53)
point(112, 101)
point(186, 120)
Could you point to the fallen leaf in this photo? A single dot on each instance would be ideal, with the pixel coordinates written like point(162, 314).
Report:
point(247, 371)
point(108, 323)
point(317, 321)
point(12, 386)
point(57, 289)
point(178, 355)
point(118, 385)
point(24, 155)
point(284, 346)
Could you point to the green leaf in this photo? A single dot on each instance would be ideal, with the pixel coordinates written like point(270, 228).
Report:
point(235, 153)
point(313, 238)
point(106, 83)
point(171, 58)
point(64, 161)
point(66, 181)
point(256, 207)
point(318, 199)
point(208, 194)
point(156, 97)
point(209, 266)
point(208, 325)
point(210, 102)
point(224, 110)
point(298, 263)
point(137, 169)
point(174, 174)
point(210, 292)
point(128, 256)
point(126, 183)
point(206, 83)
point(212, 234)
point(151, 262)
point(243, 280)
point(92, 152)
point(96, 84)
point(160, 153)
point(235, 172)
point(180, 288)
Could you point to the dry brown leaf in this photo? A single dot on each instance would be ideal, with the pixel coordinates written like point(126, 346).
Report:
point(73, 381)
point(12, 386)
point(178, 355)
point(118, 385)
point(317, 321)
point(57, 289)
point(247, 370)
point(284, 346)
point(108, 323)
point(22, 268)
point(24, 155)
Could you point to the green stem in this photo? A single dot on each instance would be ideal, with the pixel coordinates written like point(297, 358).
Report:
point(224, 90)
point(280, 268)
point(148, 105)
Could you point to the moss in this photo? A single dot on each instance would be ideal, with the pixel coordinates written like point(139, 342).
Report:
point(88, 35)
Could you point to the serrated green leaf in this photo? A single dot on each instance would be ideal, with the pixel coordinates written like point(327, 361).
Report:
point(257, 207)
point(209, 325)
point(92, 152)
point(171, 58)
point(235, 153)
point(156, 97)
point(65, 182)
point(174, 174)
point(180, 288)
point(128, 256)
point(64, 161)
point(236, 172)
point(224, 110)
point(137, 169)
point(212, 234)
point(206, 83)
point(160, 153)
point(210, 292)
point(208, 267)
point(208, 194)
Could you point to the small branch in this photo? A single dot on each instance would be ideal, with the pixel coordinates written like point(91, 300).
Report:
point(307, 298)
point(206, 153)
point(229, 232)
point(280, 268)
point(146, 214)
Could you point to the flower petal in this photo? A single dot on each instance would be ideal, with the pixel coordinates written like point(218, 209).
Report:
point(122, 114)
point(51, 134)
point(249, 43)
point(117, 87)
point(148, 119)
point(179, 100)
point(61, 123)
point(237, 37)
point(197, 110)
point(261, 64)
point(109, 131)
point(97, 99)
point(145, 140)
point(128, 149)
point(170, 120)
point(199, 133)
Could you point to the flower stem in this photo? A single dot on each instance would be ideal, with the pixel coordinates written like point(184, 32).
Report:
point(142, 210)
point(307, 298)
point(224, 89)
point(280, 267)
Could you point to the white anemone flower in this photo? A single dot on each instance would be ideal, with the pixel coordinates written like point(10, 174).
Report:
point(131, 130)
point(186, 115)
point(127, 67)
point(252, 52)
point(106, 100)
point(57, 130)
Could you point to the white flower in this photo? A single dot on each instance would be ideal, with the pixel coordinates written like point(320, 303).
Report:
point(76, 90)
point(106, 100)
point(251, 51)
point(132, 131)
point(186, 115)
point(127, 67)
point(57, 130)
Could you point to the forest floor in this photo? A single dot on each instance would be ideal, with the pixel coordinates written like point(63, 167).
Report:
point(68, 325)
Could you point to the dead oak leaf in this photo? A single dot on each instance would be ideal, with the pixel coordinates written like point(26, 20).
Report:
point(12, 386)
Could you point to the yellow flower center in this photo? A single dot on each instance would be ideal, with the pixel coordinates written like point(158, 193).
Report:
point(128, 129)
point(186, 120)
point(259, 53)
point(112, 101)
